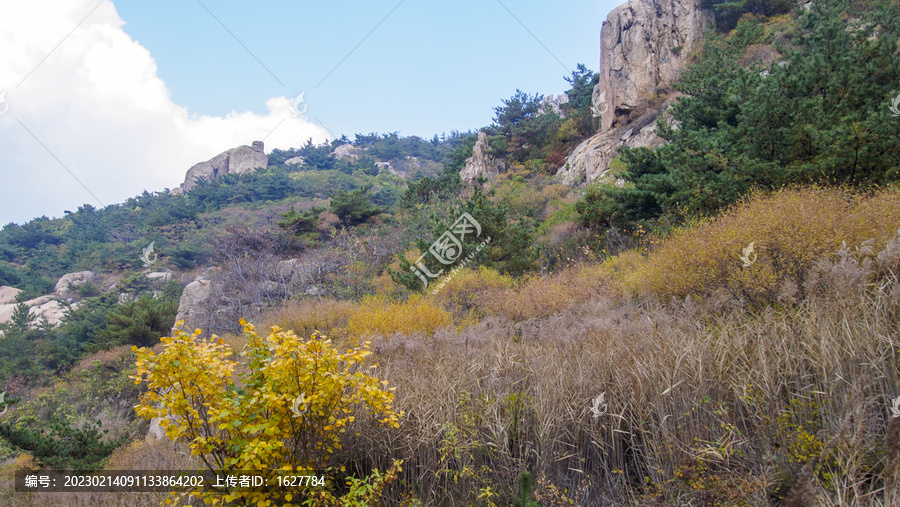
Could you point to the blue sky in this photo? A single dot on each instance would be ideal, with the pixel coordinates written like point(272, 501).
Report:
point(105, 99)
point(429, 67)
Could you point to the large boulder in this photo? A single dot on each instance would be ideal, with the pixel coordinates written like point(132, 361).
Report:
point(8, 295)
point(482, 163)
point(238, 160)
point(45, 310)
point(347, 152)
point(65, 287)
point(193, 307)
point(6, 312)
point(50, 311)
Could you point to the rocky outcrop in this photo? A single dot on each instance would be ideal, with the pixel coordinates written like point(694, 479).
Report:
point(65, 287)
point(554, 104)
point(47, 310)
point(298, 160)
point(482, 163)
point(6, 312)
point(347, 152)
point(644, 47)
point(8, 295)
point(236, 160)
point(591, 159)
point(193, 307)
point(50, 309)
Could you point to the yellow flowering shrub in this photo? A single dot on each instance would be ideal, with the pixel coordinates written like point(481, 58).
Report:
point(287, 412)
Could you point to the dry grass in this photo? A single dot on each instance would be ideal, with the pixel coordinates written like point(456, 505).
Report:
point(466, 292)
point(791, 231)
point(380, 315)
point(709, 400)
point(486, 293)
point(542, 296)
point(306, 316)
point(705, 406)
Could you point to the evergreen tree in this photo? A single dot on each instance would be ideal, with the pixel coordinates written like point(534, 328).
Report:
point(354, 207)
point(59, 446)
point(820, 115)
point(299, 223)
point(510, 250)
point(140, 322)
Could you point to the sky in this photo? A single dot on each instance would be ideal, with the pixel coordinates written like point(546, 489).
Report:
point(102, 100)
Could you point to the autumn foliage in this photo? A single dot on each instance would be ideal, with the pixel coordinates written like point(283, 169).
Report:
point(282, 405)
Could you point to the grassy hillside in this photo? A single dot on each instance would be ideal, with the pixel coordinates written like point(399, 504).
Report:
point(718, 327)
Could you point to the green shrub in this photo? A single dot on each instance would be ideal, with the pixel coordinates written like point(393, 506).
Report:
point(141, 322)
point(59, 446)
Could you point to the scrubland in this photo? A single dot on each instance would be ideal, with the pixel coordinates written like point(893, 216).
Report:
point(723, 381)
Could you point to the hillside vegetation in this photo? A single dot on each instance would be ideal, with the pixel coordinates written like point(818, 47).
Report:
point(717, 324)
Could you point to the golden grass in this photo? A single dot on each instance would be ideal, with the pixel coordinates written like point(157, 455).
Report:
point(386, 317)
point(791, 230)
point(467, 290)
point(486, 293)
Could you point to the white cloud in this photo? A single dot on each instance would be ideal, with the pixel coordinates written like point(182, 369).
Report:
point(97, 104)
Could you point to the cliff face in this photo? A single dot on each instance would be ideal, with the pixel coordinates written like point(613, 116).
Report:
point(643, 48)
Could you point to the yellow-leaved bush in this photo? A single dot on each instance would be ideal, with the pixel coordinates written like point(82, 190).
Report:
point(285, 411)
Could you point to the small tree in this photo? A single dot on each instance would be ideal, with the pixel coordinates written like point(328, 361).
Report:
point(300, 223)
point(286, 413)
point(22, 318)
point(354, 207)
point(139, 322)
